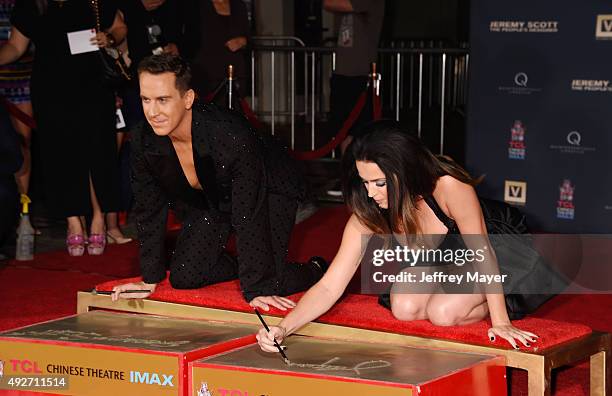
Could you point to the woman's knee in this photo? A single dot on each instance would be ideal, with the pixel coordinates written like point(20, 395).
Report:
point(444, 314)
point(405, 308)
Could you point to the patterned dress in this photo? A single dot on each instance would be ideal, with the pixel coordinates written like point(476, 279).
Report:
point(15, 77)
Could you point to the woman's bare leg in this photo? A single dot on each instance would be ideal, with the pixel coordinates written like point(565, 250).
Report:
point(409, 306)
point(457, 309)
point(409, 300)
point(22, 176)
point(120, 137)
point(113, 230)
point(97, 220)
point(75, 226)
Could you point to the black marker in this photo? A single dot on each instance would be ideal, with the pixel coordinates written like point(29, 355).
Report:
point(285, 358)
point(108, 293)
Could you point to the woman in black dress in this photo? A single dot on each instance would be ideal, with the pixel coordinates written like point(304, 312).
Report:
point(395, 185)
point(223, 33)
point(74, 110)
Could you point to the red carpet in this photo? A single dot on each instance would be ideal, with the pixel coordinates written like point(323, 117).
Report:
point(118, 261)
point(46, 289)
point(31, 295)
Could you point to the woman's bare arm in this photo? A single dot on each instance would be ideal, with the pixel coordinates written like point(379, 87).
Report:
point(14, 48)
point(461, 203)
point(322, 296)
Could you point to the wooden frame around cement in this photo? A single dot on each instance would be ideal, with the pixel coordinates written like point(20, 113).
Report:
point(596, 346)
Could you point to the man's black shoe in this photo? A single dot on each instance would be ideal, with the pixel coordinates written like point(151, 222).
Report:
point(320, 263)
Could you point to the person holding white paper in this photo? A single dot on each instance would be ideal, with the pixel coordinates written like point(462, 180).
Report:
point(74, 110)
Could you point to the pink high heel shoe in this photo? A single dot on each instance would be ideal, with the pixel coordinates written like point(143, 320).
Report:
point(96, 244)
point(75, 244)
point(119, 240)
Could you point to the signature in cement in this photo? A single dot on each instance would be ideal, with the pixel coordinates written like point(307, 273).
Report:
point(72, 335)
point(330, 366)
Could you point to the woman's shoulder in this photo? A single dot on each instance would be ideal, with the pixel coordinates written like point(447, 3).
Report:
point(356, 225)
point(450, 190)
point(447, 185)
point(455, 197)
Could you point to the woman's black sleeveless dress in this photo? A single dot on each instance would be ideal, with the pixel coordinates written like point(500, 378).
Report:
point(531, 280)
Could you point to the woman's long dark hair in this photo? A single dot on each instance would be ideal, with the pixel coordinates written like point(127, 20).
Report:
point(411, 172)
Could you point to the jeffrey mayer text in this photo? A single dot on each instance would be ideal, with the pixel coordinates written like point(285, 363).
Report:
point(438, 277)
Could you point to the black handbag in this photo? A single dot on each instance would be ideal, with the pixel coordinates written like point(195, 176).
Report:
point(114, 69)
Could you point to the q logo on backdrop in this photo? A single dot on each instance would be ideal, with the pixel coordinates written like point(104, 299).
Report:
point(574, 138)
point(521, 79)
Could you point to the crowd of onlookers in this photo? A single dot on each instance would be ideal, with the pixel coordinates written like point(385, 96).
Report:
point(64, 89)
point(75, 108)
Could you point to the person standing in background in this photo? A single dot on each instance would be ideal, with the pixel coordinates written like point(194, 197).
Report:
point(15, 88)
point(154, 27)
point(358, 24)
point(223, 31)
point(74, 109)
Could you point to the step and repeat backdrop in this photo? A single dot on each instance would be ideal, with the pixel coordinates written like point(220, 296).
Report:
point(540, 110)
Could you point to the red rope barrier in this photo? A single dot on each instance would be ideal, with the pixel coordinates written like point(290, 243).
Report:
point(250, 115)
point(212, 95)
point(336, 140)
point(376, 107)
point(332, 144)
point(18, 113)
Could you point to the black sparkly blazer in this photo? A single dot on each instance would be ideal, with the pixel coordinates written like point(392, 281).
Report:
point(236, 167)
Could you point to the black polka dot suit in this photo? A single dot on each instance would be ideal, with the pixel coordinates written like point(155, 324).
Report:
point(249, 186)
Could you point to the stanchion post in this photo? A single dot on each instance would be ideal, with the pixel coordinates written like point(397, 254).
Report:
point(398, 85)
point(253, 103)
point(230, 85)
point(375, 82)
point(442, 103)
point(420, 112)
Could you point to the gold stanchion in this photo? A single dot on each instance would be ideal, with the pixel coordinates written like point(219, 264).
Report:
point(230, 83)
point(375, 79)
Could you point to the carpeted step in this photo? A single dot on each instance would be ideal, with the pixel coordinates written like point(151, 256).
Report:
point(321, 235)
point(363, 311)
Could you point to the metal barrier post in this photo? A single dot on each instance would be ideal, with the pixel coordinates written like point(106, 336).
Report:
point(420, 113)
point(397, 87)
point(452, 78)
point(273, 92)
point(292, 100)
point(312, 98)
point(305, 85)
point(230, 85)
point(253, 80)
point(467, 74)
point(442, 103)
point(455, 77)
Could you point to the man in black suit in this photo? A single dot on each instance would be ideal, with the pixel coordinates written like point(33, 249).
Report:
point(219, 175)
